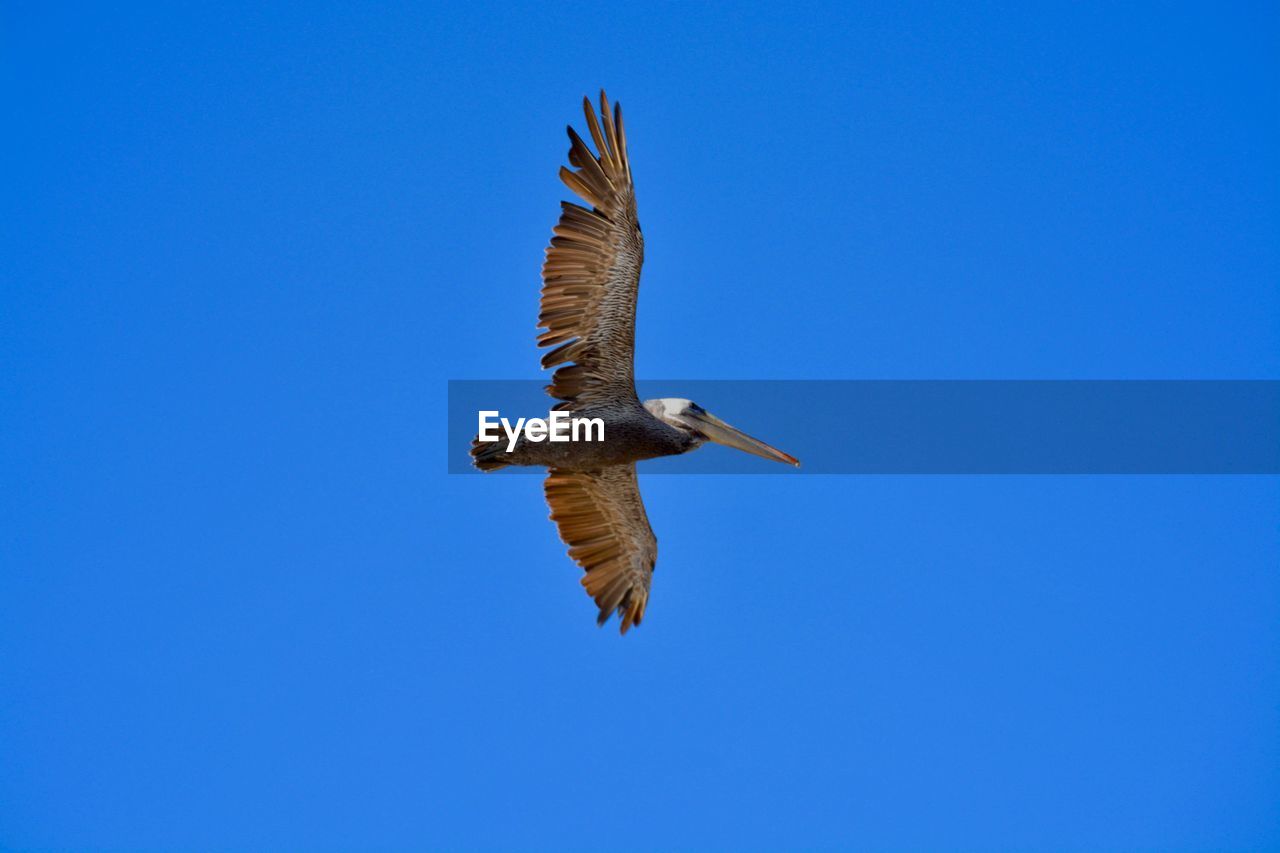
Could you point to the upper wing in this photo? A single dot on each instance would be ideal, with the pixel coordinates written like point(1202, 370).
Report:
point(592, 273)
point(602, 519)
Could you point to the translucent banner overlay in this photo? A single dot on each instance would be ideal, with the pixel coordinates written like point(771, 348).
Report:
point(944, 427)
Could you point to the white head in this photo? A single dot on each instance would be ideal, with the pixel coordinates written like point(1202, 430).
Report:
point(668, 410)
point(691, 419)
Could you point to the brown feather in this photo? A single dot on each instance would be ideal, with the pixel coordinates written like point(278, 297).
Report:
point(591, 274)
point(601, 517)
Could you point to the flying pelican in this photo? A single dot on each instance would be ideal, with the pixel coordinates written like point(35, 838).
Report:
point(590, 281)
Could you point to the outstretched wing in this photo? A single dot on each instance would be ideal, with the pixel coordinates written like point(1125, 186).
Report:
point(602, 519)
point(592, 272)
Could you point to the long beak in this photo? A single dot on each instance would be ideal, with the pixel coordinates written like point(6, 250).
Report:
point(721, 433)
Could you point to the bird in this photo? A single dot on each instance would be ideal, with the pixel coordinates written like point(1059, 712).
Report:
point(590, 281)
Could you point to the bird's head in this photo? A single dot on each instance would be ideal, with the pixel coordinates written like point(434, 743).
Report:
point(695, 421)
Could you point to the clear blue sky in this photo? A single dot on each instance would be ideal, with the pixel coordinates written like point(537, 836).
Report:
point(242, 605)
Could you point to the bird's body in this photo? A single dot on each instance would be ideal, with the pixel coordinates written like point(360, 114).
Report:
point(591, 279)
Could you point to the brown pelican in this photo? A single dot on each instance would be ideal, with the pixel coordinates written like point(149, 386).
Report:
point(590, 280)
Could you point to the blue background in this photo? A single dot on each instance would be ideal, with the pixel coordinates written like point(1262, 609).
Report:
point(243, 605)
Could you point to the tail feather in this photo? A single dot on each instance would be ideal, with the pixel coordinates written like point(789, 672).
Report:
point(488, 455)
